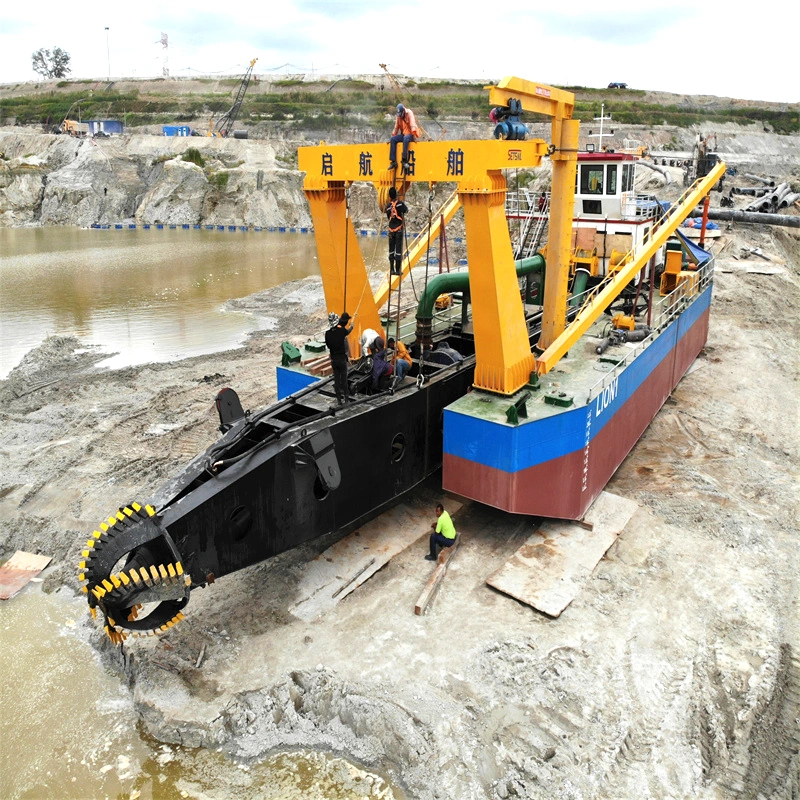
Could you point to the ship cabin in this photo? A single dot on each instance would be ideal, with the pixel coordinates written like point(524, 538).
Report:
point(609, 217)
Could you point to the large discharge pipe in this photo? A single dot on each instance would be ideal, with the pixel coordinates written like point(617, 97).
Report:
point(459, 282)
point(751, 216)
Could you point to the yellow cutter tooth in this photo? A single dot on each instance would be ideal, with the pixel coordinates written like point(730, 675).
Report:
point(109, 587)
point(145, 576)
point(124, 578)
point(98, 592)
point(84, 589)
point(135, 575)
point(150, 510)
point(93, 612)
point(120, 516)
point(90, 543)
point(154, 572)
point(179, 568)
point(127, 512)
point(116, 581)
point(103, 527)
point(111, 622)
point(81, 565)
point(82, 576)
point(96, 534)
point(171, 570)
point(162, 571)
point(179, 616)
point(85, 553)
point(136, 507)
point(187, 580)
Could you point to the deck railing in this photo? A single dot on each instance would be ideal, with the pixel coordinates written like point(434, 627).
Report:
point(670, 307)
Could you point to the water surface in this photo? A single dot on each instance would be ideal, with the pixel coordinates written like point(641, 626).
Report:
point(68, 729)
point(149, 295)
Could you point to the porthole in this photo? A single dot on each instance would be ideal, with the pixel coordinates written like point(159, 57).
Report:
point(321, 491)
point(398, 447)
point(240, 522)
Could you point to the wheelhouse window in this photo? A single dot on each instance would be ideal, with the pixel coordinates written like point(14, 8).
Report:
point(627, 177)
point(611, 179)
point(591, 179)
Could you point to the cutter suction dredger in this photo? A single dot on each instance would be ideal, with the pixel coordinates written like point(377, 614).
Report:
point(276, 479)
point(308, 466)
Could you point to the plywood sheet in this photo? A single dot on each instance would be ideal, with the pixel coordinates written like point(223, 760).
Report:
point(548, 571)
point(606, 242)
point(332, 575)
point(18, 570)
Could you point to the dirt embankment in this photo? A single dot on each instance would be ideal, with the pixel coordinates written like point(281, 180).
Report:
point(674, 673)
point(47, 179)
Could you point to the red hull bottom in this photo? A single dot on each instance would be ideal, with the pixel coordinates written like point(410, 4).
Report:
point(556, 488)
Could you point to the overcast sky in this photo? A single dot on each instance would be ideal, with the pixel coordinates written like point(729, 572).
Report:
point(724, 49)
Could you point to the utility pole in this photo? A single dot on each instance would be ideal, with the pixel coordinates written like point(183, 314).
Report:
point(165, 58)
point(108, 56)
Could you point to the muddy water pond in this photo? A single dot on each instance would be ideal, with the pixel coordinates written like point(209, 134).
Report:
point(69, 729)
point(143, 295)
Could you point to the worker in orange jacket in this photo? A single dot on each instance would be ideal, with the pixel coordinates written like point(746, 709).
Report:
point(402, 358)
point(405, 131)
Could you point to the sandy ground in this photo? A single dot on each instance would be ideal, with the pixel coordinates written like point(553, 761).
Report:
point(674, 674)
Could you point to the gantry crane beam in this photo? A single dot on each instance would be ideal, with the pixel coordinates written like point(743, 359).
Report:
point(503, 357)
point(634, 261)
point(559, 105)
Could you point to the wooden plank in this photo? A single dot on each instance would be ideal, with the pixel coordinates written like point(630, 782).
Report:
point(346, 565)
point(435, 580)
point(18, 570)
point(549, 570)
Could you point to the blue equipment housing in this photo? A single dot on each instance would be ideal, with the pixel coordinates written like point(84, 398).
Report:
point(509, 126)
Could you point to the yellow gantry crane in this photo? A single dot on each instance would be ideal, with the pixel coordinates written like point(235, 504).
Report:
point(503, 358)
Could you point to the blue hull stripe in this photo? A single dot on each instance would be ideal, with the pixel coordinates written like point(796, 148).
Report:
point(515, 448)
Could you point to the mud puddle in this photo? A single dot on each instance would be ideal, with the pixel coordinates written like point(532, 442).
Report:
point(69, 728)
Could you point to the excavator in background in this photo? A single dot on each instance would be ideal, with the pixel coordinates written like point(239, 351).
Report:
point(224, 125)
point(703, 159)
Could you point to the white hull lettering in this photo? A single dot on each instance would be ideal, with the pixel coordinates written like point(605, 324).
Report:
point(606, 397)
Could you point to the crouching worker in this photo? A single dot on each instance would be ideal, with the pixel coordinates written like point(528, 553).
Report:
point(444, 532)
point(381, 366)
point(402, 363)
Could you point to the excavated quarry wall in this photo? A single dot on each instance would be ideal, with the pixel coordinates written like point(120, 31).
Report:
point(47, 179)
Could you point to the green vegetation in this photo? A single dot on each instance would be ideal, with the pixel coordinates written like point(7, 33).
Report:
point(324, 106)
point(193, 155)
point(220, 179)
point(684, 116)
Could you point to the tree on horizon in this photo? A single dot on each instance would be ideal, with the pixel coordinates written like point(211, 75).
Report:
point(51, 64)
